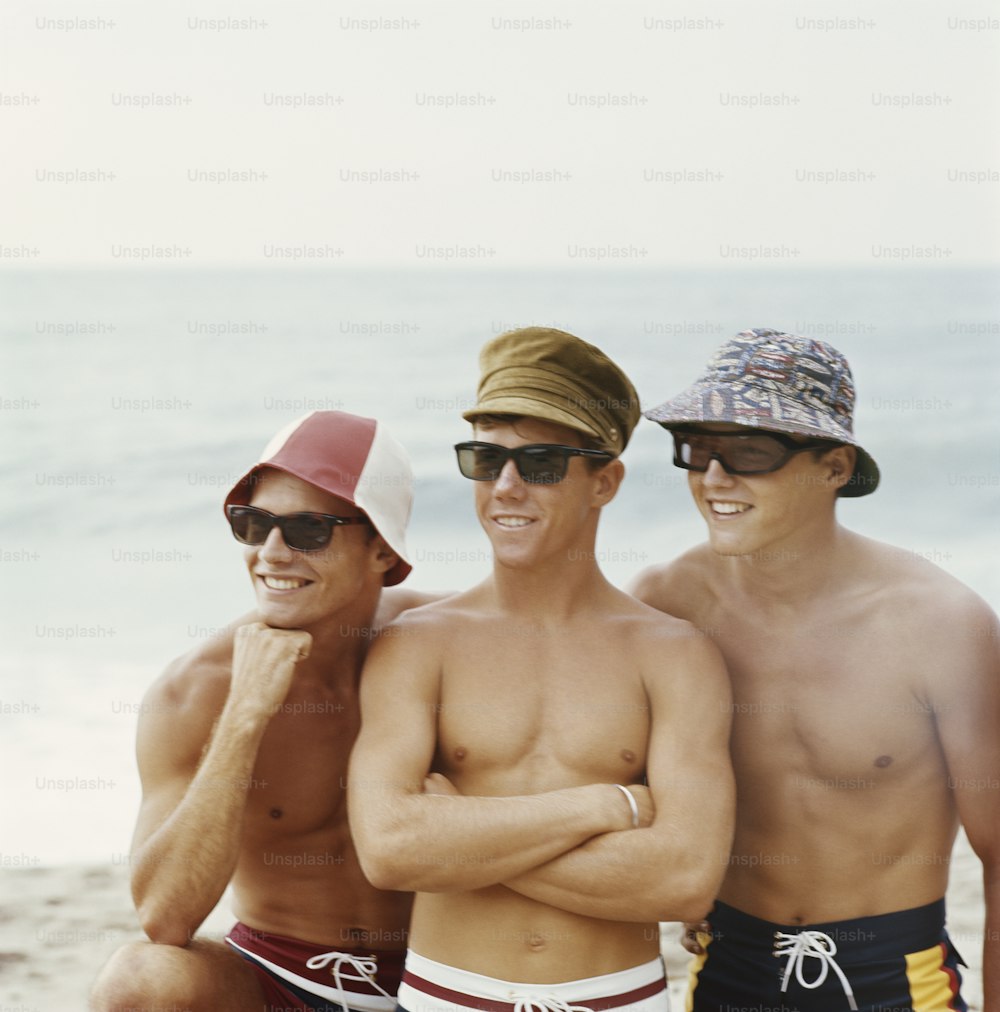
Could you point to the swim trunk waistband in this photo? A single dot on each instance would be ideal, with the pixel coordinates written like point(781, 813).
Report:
point(858, 940)
point(901, 960)
point(295, 974)
point(429, 986)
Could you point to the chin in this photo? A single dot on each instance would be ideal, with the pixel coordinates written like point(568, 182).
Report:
point(279, 618)
point(728, 546)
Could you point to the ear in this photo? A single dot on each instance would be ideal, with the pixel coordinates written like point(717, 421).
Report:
point(383, 558)
point(607, 481)
point(840, 463)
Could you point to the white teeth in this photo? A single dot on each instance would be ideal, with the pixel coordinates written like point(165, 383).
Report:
point(729, 507)
point(278, 583)
point(512, 521)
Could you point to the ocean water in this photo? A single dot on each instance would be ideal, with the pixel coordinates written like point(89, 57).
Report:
point(132, 400)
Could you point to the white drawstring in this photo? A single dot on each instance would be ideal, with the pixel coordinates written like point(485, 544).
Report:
point(528, 1003)
point(818, 945)
point(366, 970)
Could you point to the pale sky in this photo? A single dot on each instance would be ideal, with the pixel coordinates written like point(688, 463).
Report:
point(499, 134)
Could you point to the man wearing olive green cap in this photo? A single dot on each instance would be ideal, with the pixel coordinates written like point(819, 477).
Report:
point(543, 759)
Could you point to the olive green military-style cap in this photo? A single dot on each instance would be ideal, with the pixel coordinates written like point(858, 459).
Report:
point(543, 373)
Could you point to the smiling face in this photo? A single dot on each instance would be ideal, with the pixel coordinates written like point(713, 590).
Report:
point(528, 523)
point(778, 511)
point(298, 590)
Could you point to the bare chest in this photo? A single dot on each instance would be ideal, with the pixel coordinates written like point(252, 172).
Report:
point(828, 707)
point(541, 714)
point(298, 784)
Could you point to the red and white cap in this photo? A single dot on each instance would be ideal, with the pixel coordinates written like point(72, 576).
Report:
point(353, 458)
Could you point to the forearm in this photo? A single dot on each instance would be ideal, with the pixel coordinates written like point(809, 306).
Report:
point(668, 871)
point(630, 876)
point(436, 843)
point(181, 870)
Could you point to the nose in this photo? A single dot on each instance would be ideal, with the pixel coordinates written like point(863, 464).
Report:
point(508, 482)
point(274, 548)
point(716, 474)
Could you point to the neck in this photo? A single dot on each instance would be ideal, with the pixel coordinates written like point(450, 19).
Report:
point(791, 573)
point(339, 646)
point(551, 591)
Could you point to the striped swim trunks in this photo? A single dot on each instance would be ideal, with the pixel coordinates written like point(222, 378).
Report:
point(298, 976)
point(898, 962)
point(429, 986)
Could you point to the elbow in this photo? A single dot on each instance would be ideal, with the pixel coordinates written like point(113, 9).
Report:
point(163, 927)
point(386, 869)
point(688, 896)
point(696, 907)
point(384, 873)
point(384, 864)
point(695, 902)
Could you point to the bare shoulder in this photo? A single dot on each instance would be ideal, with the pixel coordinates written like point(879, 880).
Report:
point(194, 686)
point(945, 629)
point(678, 586)
point(395, 600)
point(920, 592)
point(180, 709)
point(438, 612)
point(415, 641)
point(673, 649)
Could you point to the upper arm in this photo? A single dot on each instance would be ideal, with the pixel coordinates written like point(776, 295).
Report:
point(175, 723)
point(688, 761)
point(395, 746)
point(965, 700)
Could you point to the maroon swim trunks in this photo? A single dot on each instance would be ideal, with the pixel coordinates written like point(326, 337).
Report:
point(298, 976)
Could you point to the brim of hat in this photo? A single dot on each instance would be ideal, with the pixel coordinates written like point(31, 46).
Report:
point(529, 407)
point(242, 492)
point(689, 408)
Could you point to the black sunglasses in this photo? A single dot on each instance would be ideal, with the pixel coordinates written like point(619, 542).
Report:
point(738, 452)
point(305, 532)
point(537, 463)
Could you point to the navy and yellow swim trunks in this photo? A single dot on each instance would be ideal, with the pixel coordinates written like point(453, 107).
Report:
point(898, 962)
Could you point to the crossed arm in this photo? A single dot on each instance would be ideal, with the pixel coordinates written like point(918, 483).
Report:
point(574, 848)
point(441, 842)
point(671, 869)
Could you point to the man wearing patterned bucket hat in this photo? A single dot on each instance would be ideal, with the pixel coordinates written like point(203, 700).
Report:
point(534, 752)
point(243, 748)
point(866, 693)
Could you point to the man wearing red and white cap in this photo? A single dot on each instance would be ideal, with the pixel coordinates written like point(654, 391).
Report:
point(243, 748)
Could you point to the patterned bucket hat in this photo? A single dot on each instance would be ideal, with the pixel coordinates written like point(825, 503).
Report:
point(766, 379)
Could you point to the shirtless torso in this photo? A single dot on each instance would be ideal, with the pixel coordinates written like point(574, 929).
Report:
point(530, 696)
point(861, 728)
point(243, 747)
point(296, 873)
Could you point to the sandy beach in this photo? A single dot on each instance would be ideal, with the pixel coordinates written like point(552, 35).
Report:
point(59, 924)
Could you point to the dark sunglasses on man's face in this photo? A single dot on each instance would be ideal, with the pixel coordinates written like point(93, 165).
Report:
point(537, 463)
point(305, 532)
point(738, 452)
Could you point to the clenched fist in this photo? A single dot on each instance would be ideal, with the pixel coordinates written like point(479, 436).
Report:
point(264, 660)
